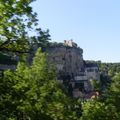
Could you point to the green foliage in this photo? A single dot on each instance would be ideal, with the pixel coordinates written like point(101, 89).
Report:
point(107, 107)
point(42, 40)
point(15, 18)
point(112, 68)
point(31, 92)
point(94, 110)
point(113, 96)
point(55, 44)
point(96, 85)
point(17, 22)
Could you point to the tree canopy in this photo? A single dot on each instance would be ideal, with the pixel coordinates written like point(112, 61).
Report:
point(17, 22)
point(32, 92)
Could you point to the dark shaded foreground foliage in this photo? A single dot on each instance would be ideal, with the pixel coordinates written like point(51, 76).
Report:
point(31, 92)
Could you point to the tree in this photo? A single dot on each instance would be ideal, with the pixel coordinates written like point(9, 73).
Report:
point(95, 110)
point(31, 92)
point(107, 107)
point(113, 94)
point(17, 21)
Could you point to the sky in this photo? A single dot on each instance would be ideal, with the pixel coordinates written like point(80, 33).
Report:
point(93, 24)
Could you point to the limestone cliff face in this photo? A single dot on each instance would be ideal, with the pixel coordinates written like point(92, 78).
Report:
point(72, 70)
point(68, 59)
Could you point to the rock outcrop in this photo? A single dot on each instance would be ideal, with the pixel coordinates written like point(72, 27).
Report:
point(72, 70)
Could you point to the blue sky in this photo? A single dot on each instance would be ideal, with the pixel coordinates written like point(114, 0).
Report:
point(93, 24)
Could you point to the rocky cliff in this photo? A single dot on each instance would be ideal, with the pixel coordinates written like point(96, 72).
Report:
point(72, 70)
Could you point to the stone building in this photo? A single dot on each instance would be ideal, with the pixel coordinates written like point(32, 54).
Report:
point(72, 70)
